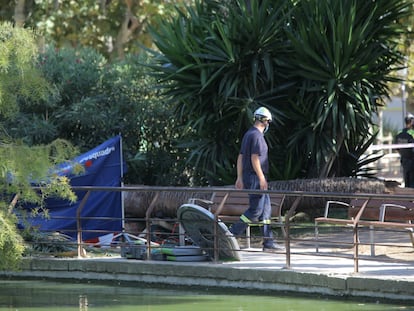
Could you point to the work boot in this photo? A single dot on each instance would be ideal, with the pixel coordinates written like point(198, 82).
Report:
point(273, 248)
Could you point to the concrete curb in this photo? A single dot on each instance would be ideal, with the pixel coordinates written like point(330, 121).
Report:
point(213, 275)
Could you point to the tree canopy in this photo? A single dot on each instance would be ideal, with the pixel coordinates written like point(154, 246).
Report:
point(113, 28)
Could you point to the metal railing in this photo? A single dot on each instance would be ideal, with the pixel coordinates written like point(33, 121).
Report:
point(295, 199)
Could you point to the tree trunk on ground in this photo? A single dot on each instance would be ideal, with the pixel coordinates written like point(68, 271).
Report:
point(136, 203)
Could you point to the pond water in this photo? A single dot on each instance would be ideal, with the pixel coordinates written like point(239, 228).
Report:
point(44, 295)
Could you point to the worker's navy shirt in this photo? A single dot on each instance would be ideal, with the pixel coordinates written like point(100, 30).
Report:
point(254, 143)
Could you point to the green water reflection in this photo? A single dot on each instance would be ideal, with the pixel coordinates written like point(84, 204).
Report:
point(42, 295)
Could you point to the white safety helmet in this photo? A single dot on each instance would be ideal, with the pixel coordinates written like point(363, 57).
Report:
point(409, 118)
point(263, 114)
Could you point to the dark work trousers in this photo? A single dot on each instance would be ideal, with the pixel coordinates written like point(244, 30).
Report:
point(408, 172)
point(259, 209)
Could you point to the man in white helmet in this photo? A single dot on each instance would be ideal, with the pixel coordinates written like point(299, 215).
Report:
point(252, 168)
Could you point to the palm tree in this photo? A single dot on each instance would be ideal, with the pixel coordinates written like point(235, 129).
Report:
point(315, 64)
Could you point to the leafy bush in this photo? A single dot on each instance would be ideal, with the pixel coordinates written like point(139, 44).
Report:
point(11, 243)
point(21, 165)
point(93, 100)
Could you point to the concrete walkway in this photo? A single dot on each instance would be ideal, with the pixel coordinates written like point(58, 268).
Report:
point(323, 263)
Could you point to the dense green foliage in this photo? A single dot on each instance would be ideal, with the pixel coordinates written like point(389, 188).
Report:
point(314, 66)
point(18, 76)
point(11, 243)
point(340, 63)
point(93, 100)
point(317, 65)
point(21, 166)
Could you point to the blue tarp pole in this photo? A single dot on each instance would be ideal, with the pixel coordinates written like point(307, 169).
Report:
point(122, 183)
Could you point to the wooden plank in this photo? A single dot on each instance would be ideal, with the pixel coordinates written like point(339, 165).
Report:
point(342, 221)
point(237, 203)
point(374, 213)
point(387, 224)
point(395, 210)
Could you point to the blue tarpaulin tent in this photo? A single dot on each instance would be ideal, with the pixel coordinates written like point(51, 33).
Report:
point(102, 167)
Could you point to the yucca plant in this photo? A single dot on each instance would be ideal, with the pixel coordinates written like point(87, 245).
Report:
point(344, 53)
point(315, 64)
point(218, 62)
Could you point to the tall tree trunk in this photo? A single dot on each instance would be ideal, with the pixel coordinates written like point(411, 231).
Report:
point(19, 15)
point(128, 26)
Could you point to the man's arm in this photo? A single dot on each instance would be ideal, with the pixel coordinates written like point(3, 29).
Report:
point(239, 180)
point(258, 169)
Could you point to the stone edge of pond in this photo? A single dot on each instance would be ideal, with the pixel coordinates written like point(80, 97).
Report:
point(212, 276)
